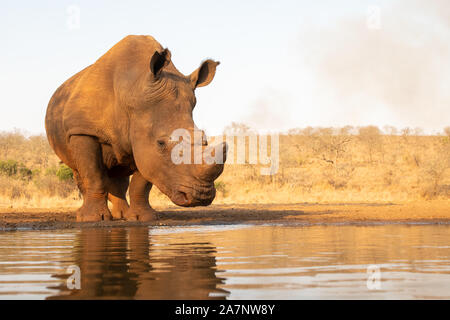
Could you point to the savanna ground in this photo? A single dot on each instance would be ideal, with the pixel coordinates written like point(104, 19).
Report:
point(325, 175)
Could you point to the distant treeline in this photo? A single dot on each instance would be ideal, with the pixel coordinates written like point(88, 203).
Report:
point(237, 127)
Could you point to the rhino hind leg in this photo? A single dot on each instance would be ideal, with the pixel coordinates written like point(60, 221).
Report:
point(140, 208)
point(117, 190)
point(91, 179)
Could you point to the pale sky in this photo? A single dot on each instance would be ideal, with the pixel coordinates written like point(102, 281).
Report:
point(284, 64)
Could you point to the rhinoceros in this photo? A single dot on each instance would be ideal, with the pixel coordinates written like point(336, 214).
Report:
point(114, 119)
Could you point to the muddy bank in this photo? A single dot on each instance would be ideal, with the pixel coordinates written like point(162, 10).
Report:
point(303, 213)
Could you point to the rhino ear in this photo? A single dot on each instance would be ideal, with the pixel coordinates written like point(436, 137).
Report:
point(205, 74)
point(159, 61)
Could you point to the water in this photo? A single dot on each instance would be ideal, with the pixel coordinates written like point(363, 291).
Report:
point(229, 262)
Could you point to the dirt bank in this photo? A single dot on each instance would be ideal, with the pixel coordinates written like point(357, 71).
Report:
point(306, 213)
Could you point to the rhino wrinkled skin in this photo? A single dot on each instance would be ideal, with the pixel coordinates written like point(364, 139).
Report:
point(115, 118)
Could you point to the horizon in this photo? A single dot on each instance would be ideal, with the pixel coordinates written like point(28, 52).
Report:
point(298, 131)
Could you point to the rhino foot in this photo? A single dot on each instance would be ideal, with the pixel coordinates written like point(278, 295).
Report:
point(141, 214)
point(92, 213)
point(119, 210)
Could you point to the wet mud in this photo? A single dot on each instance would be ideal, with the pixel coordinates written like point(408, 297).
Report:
point(435, 212)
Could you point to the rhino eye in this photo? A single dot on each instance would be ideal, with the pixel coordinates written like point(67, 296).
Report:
point(161, 144)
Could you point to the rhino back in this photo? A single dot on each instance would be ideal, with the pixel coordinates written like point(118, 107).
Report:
point(91, 102)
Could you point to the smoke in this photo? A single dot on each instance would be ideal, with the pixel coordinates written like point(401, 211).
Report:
point(269, 112)
point(403, 66)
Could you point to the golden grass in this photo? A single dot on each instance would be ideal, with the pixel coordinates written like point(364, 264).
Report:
point(316, 165)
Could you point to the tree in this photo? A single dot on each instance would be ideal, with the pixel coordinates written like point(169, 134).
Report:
point(236, 128)
point(370, 136)
point(39, 146)
point(414, 144)
point(11, 141)
point(447, 131)
point(390, 130)
point(331, 145)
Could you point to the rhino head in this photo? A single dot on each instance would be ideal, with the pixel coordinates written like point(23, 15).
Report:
point(165, 104)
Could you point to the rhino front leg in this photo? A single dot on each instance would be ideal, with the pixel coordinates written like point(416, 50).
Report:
point(86, 154)
point(140, 208)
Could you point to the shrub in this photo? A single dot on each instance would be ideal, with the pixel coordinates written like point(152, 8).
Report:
point(25, 173)
point(36, 172)
point(12, 168)
point(8, 167)
point(64, 173)
point(51, 171)
point(220, 187)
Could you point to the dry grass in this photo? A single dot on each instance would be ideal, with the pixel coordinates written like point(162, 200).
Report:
point(316, 165)
point(346, 165)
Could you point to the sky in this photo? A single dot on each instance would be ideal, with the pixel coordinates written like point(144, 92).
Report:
point(284, 64)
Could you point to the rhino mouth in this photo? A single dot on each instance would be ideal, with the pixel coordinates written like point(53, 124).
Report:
point(195, 195)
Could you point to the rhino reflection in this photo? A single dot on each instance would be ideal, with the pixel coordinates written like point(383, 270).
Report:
point(122, 264)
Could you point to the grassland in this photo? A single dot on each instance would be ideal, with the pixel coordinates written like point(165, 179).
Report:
point(324, 165)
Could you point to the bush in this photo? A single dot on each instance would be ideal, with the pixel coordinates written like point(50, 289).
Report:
point(51, 171)
point(36, 172)
point(220, 187)
point(8, 167)
point(25, 173)
point(12, 168)
point(64, 173)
